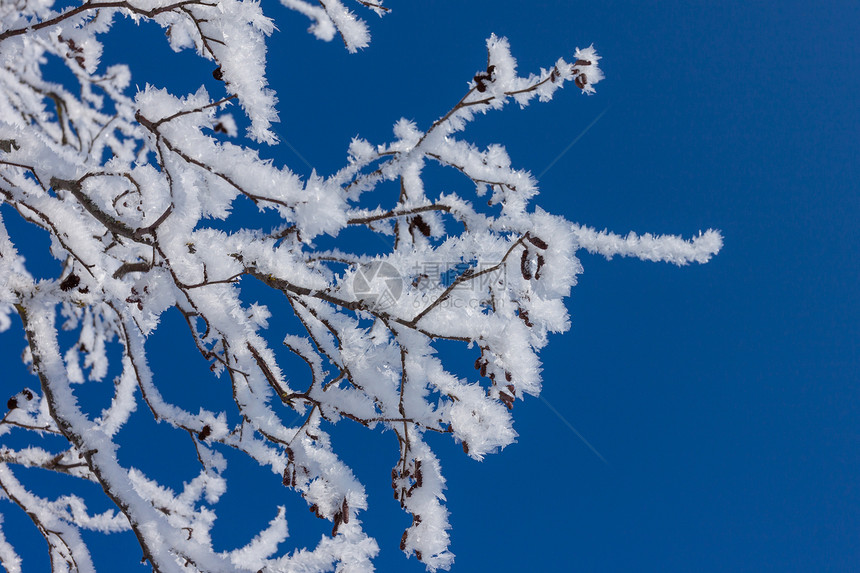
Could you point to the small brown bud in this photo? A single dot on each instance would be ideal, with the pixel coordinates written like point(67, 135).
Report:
point(338, 518)
point(537, 242)
point(525, 316)
point(70, 282)
point(524, 265)
point(540, 263)
point(12, 403)
point(204, 433)
point(422, 225)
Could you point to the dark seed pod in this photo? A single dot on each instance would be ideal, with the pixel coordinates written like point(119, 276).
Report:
point(540, 262)
point(478, 363)
point(418, 474)
point(12, 403)
point(508, 376)
point(219, 128)
point(287, 480)
point(204, 433)
point(484, 369)
point(524, 265)
point(218, 74)
point(418, 555)
point(581, 81)
point(581, 63)
point(537, 242)
point(70, 282)
point(403, 540)
point(490, 69)
point(337, 521)
point(422, 225)
point(27, 394)
point(512, 389)
point(465, 447)
point(344, 509)
point(525, 316)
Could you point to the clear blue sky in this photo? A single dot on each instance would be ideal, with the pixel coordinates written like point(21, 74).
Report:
point(725, 398)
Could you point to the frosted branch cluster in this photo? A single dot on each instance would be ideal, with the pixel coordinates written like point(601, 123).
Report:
point(134, 192)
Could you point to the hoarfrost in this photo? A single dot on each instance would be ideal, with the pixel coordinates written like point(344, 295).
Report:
point(137, 194)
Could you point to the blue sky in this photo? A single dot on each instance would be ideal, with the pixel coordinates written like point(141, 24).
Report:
point(725, 397)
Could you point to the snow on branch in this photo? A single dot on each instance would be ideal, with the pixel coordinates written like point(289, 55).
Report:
point(137, 194)
point(8, 558)
point(648, 247)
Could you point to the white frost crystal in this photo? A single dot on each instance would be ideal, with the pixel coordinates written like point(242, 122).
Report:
point(137, 197)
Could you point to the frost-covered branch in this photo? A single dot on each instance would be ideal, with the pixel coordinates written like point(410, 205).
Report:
point(666, 248)
point(136, 193)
